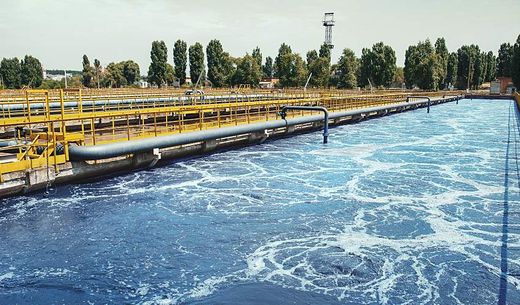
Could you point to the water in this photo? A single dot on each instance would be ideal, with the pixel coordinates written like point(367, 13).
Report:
point(405, 209)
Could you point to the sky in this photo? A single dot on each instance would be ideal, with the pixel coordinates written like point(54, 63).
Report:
point(59, 32)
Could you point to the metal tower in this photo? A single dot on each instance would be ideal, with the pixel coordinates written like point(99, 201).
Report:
point(328, 23)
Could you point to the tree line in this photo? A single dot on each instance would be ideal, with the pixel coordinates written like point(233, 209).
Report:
point(427, 66)
point(15, 74)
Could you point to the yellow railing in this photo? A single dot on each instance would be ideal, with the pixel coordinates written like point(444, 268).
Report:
point(47, 125)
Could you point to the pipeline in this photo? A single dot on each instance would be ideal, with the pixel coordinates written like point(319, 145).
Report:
point(111, 150)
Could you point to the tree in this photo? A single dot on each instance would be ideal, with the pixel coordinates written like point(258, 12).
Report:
point(217, 63)
point(398, 77)
point(320, 69)
point(319, 66)
point(424, 66)
point(504, 60)
point(88, 72)
point(268, 67)
point(31, 72)
point(281, 61)
point(451, 70)
point(491, 67)
point(467, 56)
point(229, 68)
point(248, 71)
point(196, 62)
point(377, 65)
point(312, 55)
point(515, 63)
point(121, 74)
point(480, 70)
point(114, 75)
point(180, 60)
point(157, 69)
point(97, 71)
point(170, 75)
point(411, 61)
point(292, 71)
point(298, 73)
point(442, 51)
point(10, 71)
point(325, 51)
point(131, 71)
point(430, 71)
point(257, 55)
point(347, 69)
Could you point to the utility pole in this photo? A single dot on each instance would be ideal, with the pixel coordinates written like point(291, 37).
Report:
point(65, 73)
point(307, 82)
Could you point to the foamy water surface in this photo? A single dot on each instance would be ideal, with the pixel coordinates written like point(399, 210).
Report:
point(413, 208)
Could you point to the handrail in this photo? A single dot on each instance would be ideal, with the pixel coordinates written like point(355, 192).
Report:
point(283, 114)
point(33, 143)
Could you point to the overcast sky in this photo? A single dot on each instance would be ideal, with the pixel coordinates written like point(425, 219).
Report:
point(59, 32)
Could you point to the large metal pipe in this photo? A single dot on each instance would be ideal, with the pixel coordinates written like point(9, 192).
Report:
point(111, 150)
point(283, 114)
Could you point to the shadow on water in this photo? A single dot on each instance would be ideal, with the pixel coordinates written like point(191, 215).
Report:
point(512, 132)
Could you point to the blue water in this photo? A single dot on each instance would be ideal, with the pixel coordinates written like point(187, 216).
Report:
point(412, 208)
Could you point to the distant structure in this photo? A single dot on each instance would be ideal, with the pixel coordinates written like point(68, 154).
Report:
point(328, 23)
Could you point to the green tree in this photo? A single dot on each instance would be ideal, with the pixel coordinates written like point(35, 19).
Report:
point(377, 65)
point(411, 61)
point(248, 71)
point(87, 73)
point(180, 59)
point(157, 70)
point(467, 56)
point(281, 61)
point(257, 55)
point(504, 60)
point(114, 75)
point(491, 71)
point(325, 51)
point(31, 72)
point(10, 71)
point(451, 70)
point(298, 73)
point(97, 71)
point(398, 77)
point(431, 70)
point(312, 55)
point(268, 67)
point(196, 62)
point(217, 63)
point(170, 75)
point(480, 70)
point(442, 51)
point(424, 66)
point(515, 63)
point(347, 68)
point(319, 66)
point(320, 69)
point(131, 71)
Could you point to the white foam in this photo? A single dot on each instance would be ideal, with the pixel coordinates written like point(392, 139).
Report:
point(6, 276)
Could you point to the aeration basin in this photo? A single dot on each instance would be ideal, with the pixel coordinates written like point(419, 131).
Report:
point(409, 208)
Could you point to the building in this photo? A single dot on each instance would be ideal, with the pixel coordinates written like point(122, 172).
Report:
point(506, 84)
point(269, 82)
